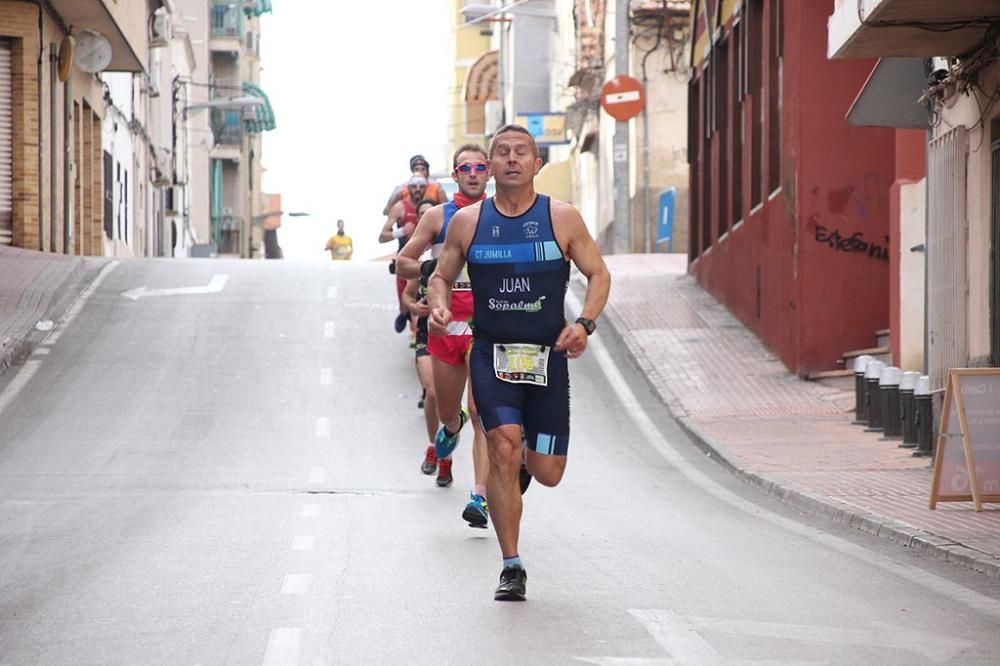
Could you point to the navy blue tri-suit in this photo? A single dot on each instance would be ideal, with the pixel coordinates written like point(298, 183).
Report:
point(519, 278)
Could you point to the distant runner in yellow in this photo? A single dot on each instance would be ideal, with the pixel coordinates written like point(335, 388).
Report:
point(340, 245)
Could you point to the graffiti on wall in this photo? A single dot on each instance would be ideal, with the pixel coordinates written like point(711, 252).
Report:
point(856, 242)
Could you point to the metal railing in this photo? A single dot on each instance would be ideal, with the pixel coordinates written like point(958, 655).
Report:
point(227, 127)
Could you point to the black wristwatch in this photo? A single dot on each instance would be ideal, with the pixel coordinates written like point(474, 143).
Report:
point(588, 324)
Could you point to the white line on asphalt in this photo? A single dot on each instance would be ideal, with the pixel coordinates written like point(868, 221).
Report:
point(322, 427)
point(317, 475)
point(682, 642)
point(304, 542)
point(284, 647)
point(331, 292)
point(329, 330)
point(644, 423)
point(296, 584)
point(19, 381)
point(326, 376)
point(41, 351)
point(74, 309)
point(309, 510)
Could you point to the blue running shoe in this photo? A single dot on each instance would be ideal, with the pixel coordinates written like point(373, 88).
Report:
point(443, 444)
point(477, 512)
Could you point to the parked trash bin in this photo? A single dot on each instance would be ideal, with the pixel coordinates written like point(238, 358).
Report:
point(925, 416)
point(860, 388)
point(872, 373)
point(888, 387)
point(907, 408)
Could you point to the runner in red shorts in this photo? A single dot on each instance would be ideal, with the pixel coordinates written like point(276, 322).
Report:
point(399, 225)
point(450, 352)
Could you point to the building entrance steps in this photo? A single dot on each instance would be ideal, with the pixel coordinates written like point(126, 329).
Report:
point(790, 437)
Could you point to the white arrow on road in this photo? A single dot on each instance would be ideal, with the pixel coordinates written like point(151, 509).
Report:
point(681, 636)
point(214, 286)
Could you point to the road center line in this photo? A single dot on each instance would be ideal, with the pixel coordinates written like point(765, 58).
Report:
point(284, 647)
point(304, 542)
point(322, 427)
point(329, 330)
point(317, 475)
point(296, 584)
point(331, 292)
point(645, 425)
point(326, 376)
point(309, 510)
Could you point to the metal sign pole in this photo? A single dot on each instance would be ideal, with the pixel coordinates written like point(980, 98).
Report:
point(622, 231)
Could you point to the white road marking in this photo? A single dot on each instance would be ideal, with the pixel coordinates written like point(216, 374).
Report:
point(317, 475)
point(331, 292)
point(284, 647)
point(326, 376)
point(329, 330)
point(645, 425)
point(214, 286)
point(683, 643)
point(304, 542)
point(74, 309)
point(296, 584)
point(19, 381)
point(322, 427)
point(41, 351)
point(309, 510)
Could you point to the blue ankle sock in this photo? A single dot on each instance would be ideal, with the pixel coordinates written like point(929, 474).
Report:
point(515, 561)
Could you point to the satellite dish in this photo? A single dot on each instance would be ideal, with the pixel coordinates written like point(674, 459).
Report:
point(65, 64)
point(93, 51)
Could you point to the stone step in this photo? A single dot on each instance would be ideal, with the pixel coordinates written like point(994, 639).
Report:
point(839, 379)
point(883, 337)
point(880, 354)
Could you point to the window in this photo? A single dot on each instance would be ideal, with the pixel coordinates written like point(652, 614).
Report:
point(774, 96)
point(755, 82)
point(721, 80)
point(694, 143)
point(706, 158)
point(737, 135)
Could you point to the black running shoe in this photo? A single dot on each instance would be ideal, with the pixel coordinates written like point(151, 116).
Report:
point(524, 477)
point(401, 320)
point(513, 581)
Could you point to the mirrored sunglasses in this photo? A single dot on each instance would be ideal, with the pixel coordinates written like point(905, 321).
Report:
point(469, 167)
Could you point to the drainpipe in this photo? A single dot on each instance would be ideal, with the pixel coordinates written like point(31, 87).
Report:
point(68, 167)
point(41, 142)
point(53, 147)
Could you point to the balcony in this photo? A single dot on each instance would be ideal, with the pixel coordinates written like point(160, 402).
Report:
point(227, 127)
point(908, 28)
point(226, 26)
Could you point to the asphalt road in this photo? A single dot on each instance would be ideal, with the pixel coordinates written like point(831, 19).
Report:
point(217, 462)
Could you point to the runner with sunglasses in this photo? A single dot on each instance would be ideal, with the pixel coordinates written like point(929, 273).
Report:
point(519, 245)
point(449, 348)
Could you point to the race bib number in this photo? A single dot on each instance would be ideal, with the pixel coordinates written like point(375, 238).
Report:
point(521, 363)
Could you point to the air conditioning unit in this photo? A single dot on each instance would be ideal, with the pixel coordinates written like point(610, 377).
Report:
point(159, 29)
point(493, 113)
point(160, 173)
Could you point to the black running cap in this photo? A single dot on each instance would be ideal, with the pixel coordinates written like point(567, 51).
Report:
point(418, 159)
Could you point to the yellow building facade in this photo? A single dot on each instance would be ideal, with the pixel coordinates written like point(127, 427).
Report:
point(473, 81)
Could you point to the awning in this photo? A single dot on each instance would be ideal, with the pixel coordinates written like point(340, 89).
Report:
point(481, 79)
point(889, 96)
point(262, 115)
point(257, 7)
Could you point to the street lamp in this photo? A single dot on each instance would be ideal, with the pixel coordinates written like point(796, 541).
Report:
point(259, 219)
point(272, 250)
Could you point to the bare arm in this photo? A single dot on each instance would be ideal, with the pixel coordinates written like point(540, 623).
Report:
point(582, 250)
point(450, 263)
point(408, 264)
point(395, 214)
point(394, 198)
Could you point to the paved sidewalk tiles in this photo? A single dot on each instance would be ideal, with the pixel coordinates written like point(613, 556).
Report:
point(792, 438)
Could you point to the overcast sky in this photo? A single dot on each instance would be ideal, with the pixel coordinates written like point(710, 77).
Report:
point(353, 100)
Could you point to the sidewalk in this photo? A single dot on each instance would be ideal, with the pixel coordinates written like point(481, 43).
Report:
point(34, 286)
point(789, 437)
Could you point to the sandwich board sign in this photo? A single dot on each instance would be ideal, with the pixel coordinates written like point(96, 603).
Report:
point(967, 460)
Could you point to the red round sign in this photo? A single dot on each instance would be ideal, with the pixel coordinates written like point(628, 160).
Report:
point(623, 97)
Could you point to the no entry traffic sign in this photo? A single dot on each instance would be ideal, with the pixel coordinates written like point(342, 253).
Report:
point(623, 97)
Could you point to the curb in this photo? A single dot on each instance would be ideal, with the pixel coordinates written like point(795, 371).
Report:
point(839, 513)
point(63, 296)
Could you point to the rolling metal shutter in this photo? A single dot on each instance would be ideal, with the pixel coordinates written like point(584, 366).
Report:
point(6, 147)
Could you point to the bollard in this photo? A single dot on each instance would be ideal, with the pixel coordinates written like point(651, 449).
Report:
point(924, 416)
point(907, 408)
point(888, 387)
point(860, 392)
point(872, 373)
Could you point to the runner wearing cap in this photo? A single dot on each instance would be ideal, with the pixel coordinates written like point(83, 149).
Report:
point(418, 167)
